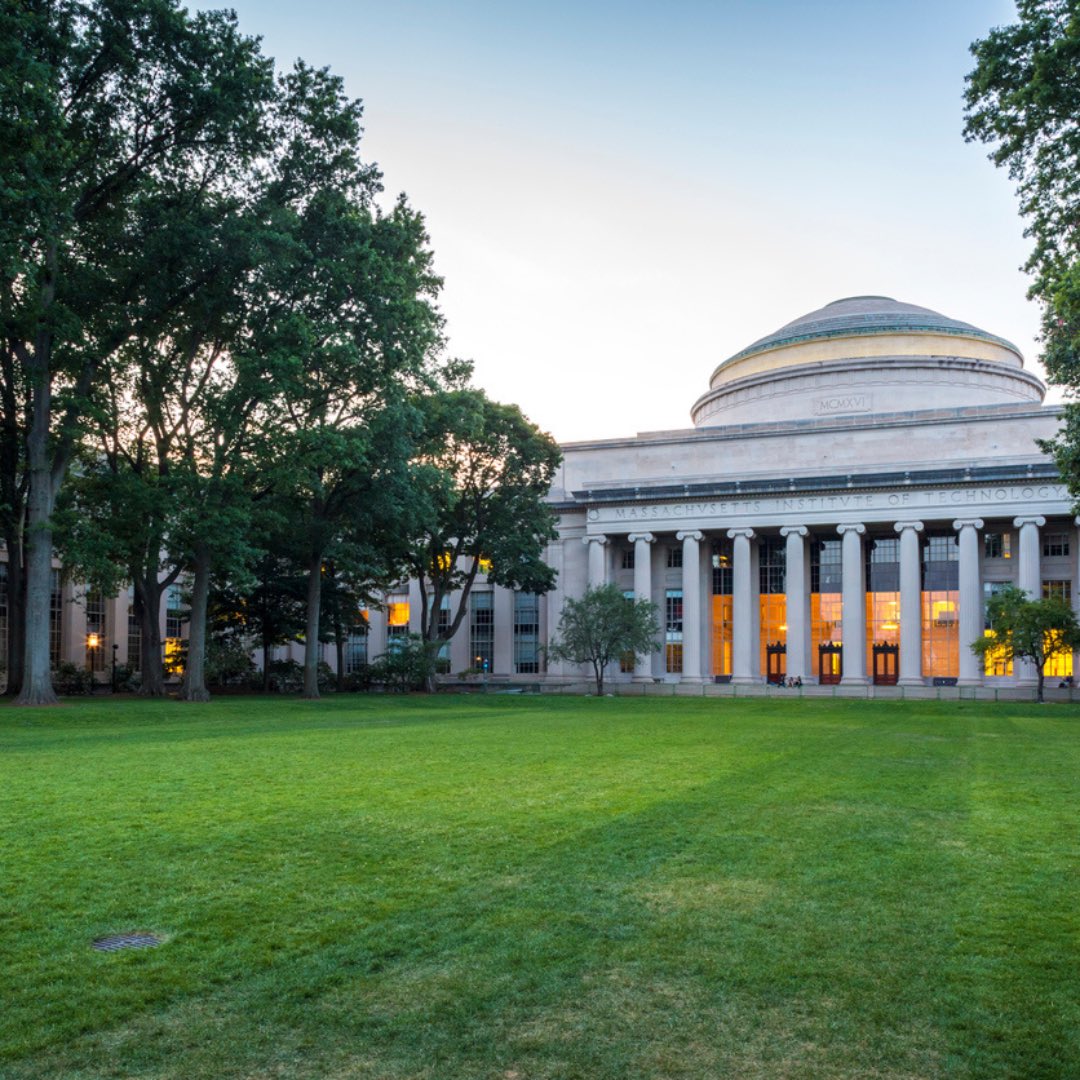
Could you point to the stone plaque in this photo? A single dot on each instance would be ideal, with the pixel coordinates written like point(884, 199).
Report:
point(843, 403)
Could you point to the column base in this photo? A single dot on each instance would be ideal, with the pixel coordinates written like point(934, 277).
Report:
point(645, 679)
point(695, 680)
point(911, 680)
point(854, 680)
point(969, 682)
point(745, 680)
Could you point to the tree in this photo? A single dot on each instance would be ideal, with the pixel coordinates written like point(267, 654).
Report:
point(1023, 98)
point(601, 627)
point(485, 472)
point(1023, 628)
point(104, 104)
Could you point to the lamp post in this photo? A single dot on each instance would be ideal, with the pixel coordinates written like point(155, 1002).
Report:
point(112, 681)
point(92, 643)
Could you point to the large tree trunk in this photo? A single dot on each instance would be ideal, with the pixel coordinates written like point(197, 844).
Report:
point(16, 614)
point(194, 685)
point(311, 638)
point(37, 686)
point(1039, 691)
point(148, 610)
point(266, 665)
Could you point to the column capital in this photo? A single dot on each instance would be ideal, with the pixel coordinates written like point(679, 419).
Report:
point(690, 534)
point(900, 526)
point(1021, 521)
point(857, 529)
point(794, 530)
point(967, 523)
point(647, 538)
point(733, 533)
point(596, 539)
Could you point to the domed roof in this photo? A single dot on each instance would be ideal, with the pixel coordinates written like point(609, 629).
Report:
point(858, 315)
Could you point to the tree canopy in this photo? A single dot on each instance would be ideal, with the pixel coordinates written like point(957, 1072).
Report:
point(602, 626)
point(1025, 628)
point(1023, 99)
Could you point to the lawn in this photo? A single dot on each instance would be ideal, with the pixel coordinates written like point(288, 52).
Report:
point(540, 888)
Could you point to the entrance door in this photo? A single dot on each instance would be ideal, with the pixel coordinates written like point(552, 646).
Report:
point(776, 657)
point(886, 661)
point(830, 662)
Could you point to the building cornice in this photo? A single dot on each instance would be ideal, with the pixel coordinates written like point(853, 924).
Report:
point(823, 425)
point(1033, 472)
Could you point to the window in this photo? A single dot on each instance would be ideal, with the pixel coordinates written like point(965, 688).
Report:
point(1057, 590)
point(442, 628)
point(482, 630)
point(994, 662)
point(826, 571)
point(174, 612)
point(526, 633)
point(673, 636)
point(356, 645)
point(56, 619)
point(397, 619)
point(628, 558)
point(772, 556)
point(721, 569)
point(134, 635)
point(95, 630)
point(1055, 545)
point(883, 565)
point(674, 558)
point(941, 562)
point(997, 545)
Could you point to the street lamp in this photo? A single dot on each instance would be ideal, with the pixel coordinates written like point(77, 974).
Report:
point(112, 681)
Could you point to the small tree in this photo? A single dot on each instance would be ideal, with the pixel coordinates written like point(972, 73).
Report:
point(601, 627)
point(1023, 628)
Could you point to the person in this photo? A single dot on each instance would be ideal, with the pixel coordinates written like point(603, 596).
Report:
point(798, 682)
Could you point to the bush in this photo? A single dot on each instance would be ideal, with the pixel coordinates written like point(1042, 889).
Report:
point(71, 679)
point(287, 677)
point(407, 666)
point(128, 679)
point(228, 663)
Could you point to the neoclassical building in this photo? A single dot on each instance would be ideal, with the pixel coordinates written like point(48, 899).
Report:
point(854, 486)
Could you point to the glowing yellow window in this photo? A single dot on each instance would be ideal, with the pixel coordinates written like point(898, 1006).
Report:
point(485, 565)
point(397, 613)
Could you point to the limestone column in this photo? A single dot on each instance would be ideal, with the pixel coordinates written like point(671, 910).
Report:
point(971, 600)
point(597, 560)
point(642, 542)
point(691, 591)
point(910, 603)
point(796, 613)
point(1029, 578)
point(853, 627)
point(744, 644)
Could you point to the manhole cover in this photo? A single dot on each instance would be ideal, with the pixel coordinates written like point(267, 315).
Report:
point(115, 942)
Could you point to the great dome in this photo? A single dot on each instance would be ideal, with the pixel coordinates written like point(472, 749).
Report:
point(865, 354)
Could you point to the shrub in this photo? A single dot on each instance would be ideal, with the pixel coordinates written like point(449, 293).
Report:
point(70, 679)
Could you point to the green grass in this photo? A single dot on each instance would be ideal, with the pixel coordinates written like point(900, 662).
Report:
point(527, 888)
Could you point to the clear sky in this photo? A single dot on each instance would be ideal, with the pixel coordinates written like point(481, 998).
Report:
point(622, 194)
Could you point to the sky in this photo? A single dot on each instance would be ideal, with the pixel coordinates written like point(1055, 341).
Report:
point(620, 195)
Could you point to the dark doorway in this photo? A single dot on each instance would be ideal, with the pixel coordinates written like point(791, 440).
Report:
point(776, 657)
point(830, 662)
point(886, 661)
